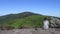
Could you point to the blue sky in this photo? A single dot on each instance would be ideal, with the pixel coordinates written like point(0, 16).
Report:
point(45, 7)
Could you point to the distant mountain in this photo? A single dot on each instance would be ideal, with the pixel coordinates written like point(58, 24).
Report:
point(16, 16)
point(24, 19)
point(20, 15)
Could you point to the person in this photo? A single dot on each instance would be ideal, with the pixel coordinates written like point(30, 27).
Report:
point(45, 23)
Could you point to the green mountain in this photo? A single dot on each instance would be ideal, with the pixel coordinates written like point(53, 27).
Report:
point(22, 20)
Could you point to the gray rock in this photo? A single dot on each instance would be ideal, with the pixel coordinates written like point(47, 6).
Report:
point(55, 22)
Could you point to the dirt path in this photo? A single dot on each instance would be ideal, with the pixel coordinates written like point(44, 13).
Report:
point(31, 31)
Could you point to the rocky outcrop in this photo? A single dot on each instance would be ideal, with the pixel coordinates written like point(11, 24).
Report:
point(55, 22)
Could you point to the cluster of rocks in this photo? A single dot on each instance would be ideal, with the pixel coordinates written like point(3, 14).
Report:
point(54, 22)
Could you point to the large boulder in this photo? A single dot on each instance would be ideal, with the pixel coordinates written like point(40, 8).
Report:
point(55, 22)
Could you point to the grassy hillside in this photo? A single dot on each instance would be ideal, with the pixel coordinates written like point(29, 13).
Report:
point(22, 20)
point(30, 21)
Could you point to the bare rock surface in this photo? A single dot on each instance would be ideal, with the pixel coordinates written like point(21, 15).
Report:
point(31, 31)
point(55, 22)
